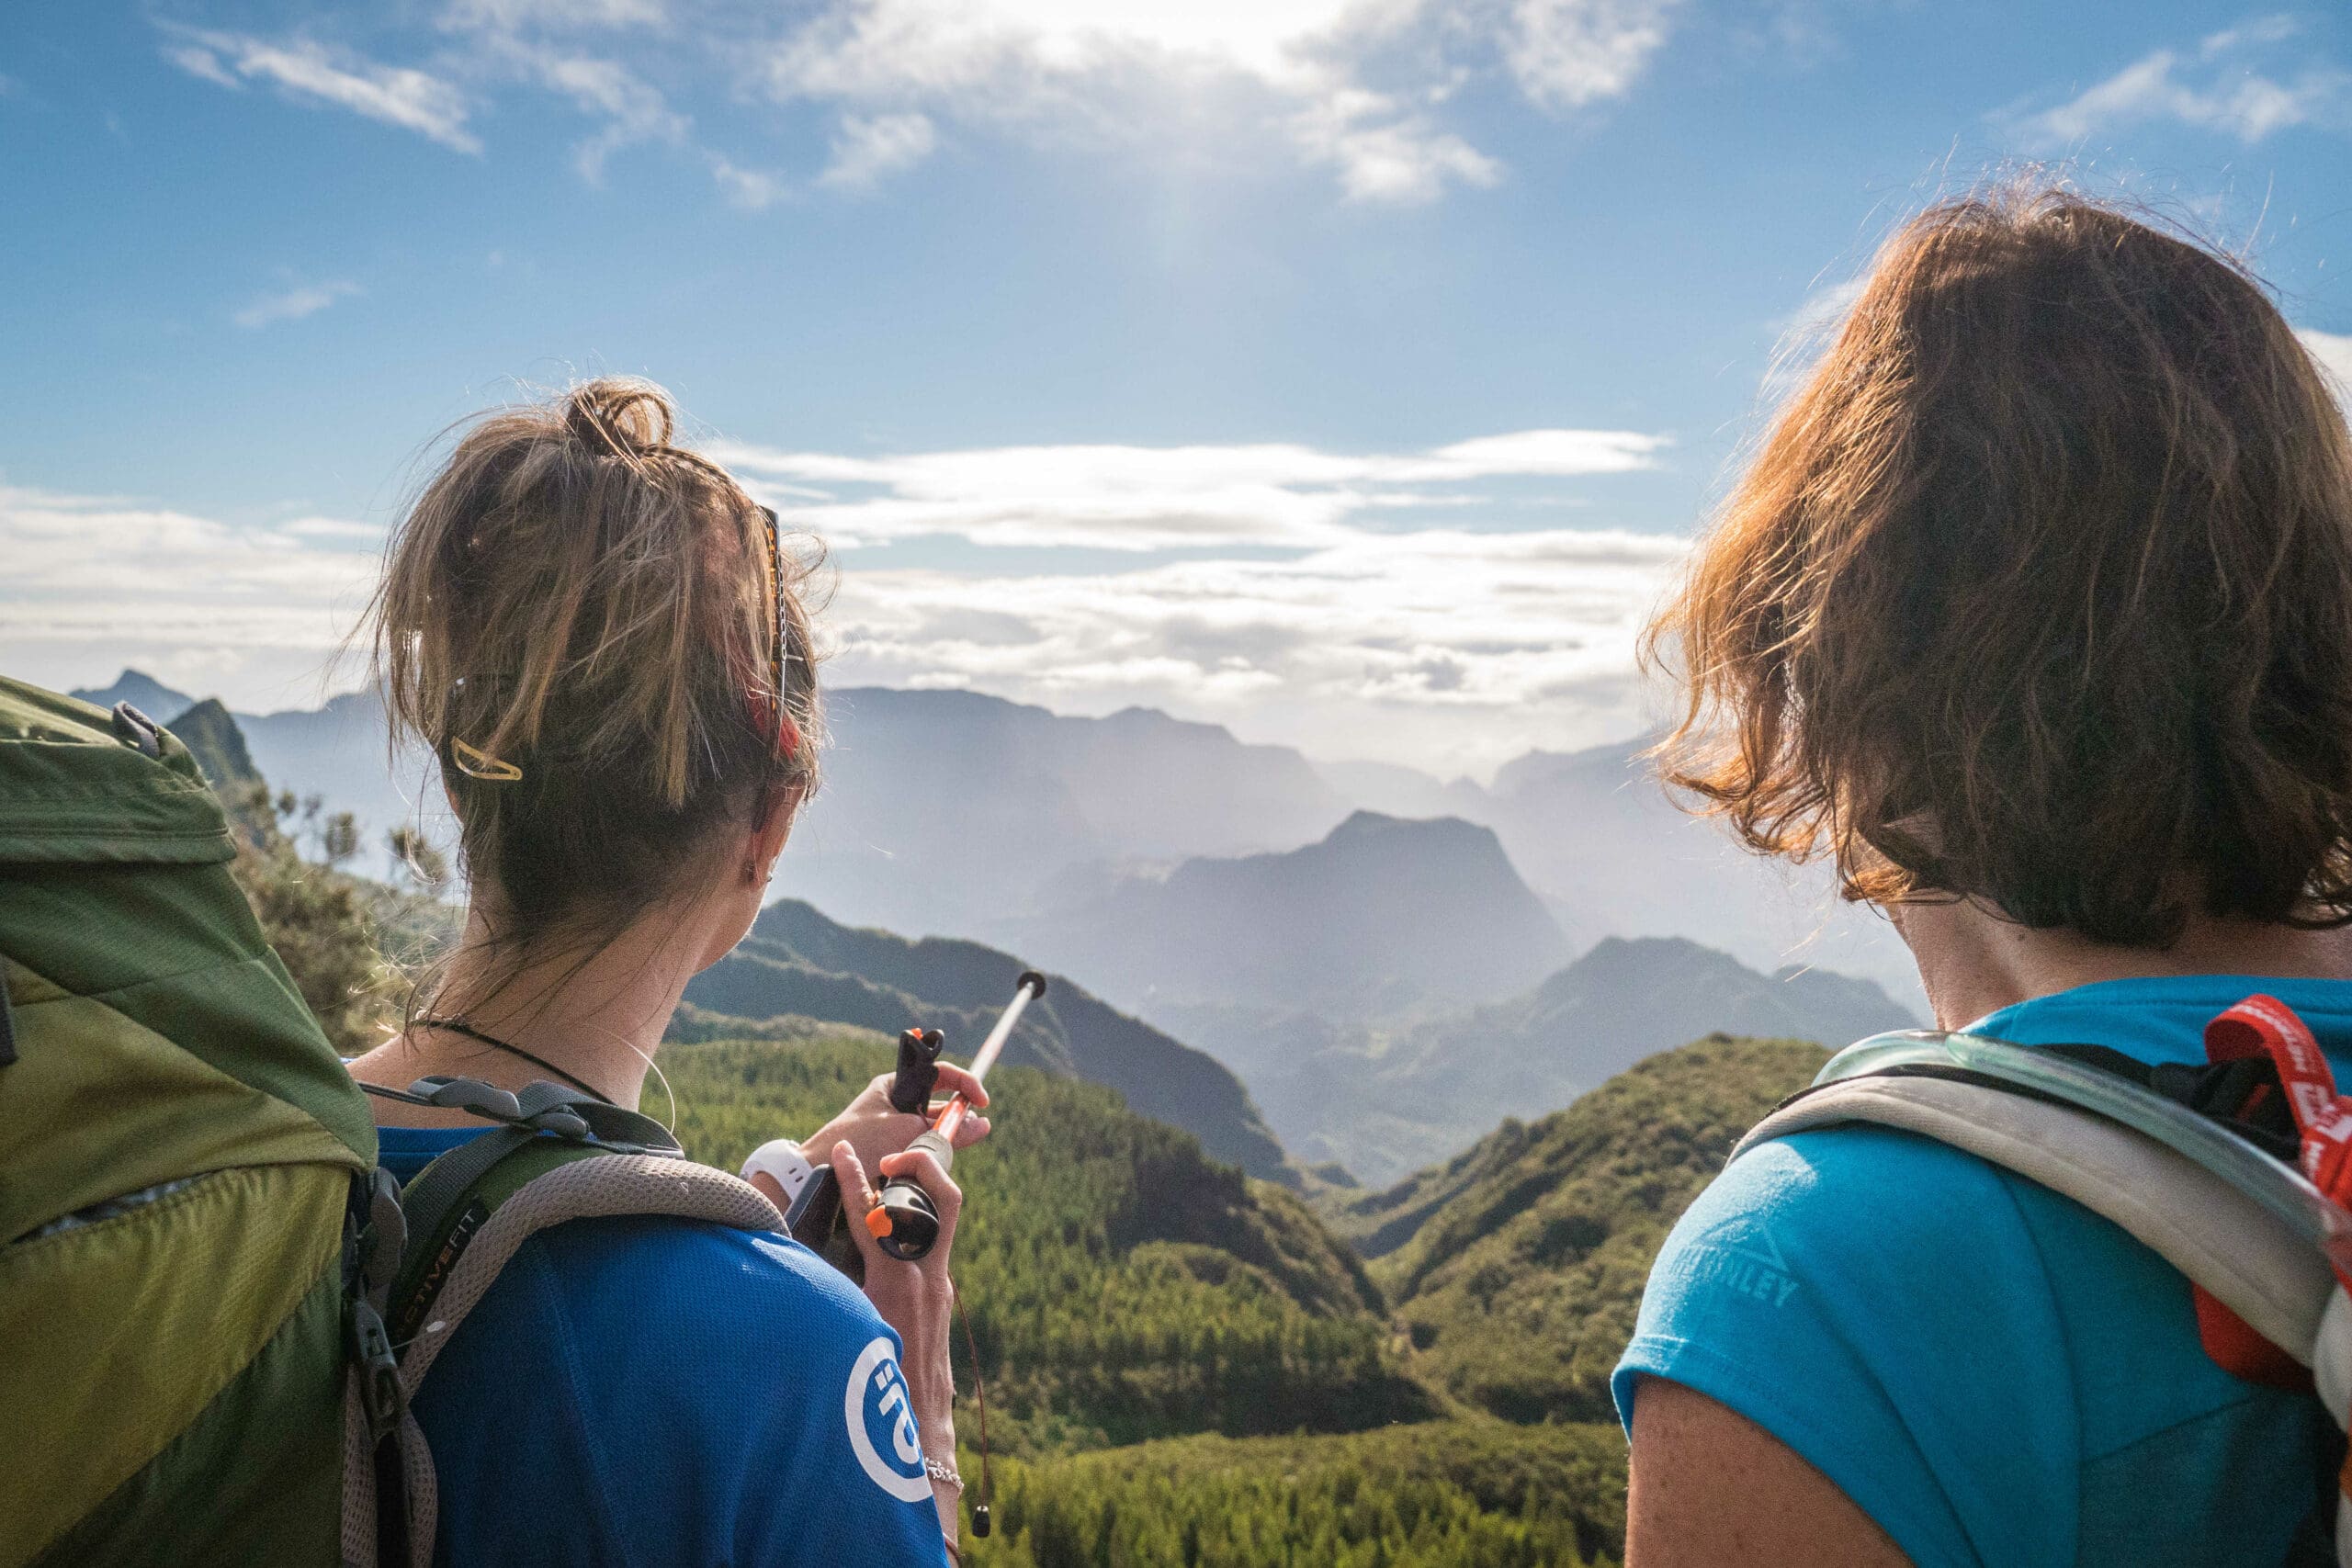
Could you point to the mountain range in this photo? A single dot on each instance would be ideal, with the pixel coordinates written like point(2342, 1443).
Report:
point(952, 813)
point(1383, 1101)
point(1381, 915)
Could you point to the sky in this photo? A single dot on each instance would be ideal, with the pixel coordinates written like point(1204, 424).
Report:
point(1353, 373)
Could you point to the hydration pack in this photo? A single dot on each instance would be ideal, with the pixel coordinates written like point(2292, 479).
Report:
point(2235, 1173)
point(214, 1305)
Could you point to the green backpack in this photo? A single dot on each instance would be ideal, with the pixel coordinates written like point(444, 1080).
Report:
point(198, 1255)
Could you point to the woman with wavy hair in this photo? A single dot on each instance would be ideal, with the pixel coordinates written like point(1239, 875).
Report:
point(601, 638)
point(2033, 613)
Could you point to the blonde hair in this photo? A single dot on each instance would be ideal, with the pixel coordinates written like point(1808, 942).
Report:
point(584, 622)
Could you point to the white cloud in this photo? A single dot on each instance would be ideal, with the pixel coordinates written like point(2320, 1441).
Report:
point(869, 147)
point(1450, 650)
point(2334, 352)
point(1569, 53)
point(293, 304)
point(750, 189)
point(2246, 83)
point(1455, 644)
point(1154, 498)
point(631, 108)
point(97, 581)
point(1363, 88)
point(515, 16)
point(1350, 85)
point(397, 96)
point(1382, 155)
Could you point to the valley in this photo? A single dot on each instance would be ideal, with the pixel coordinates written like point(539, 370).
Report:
point(1313, 1234)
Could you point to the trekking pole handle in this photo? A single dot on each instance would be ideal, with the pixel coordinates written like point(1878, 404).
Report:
point(906, 1222)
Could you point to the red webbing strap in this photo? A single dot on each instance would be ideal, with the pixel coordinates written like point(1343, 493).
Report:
point(2265, 1026)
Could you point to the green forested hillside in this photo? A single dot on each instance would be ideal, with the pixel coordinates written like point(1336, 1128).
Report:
point(1516, 1269)
point(1472, 1493)
point(1121, 1284)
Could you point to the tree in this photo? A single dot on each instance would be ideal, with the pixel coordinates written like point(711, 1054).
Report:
point(415, 857)
point(339, 839)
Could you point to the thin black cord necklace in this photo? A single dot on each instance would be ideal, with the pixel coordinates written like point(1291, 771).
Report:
point(459, 1026)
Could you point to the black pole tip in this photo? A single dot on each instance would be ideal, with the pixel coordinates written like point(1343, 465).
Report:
point(1033, 982)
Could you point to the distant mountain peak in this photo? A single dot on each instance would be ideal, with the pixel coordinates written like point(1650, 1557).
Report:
point(143, 692)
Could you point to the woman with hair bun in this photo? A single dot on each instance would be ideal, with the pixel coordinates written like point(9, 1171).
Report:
point(600, 636)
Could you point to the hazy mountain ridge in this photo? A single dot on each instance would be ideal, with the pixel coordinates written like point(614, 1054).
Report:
point(1383, 1101)
point(949, 811)
point(1381, 914)
point(1598, 835)
point(954, 813)
point(799, 961)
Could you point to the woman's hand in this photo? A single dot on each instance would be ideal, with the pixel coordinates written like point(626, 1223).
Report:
point(916, 1298)
point(869, 1125)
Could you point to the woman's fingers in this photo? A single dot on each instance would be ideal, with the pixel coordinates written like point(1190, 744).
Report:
point(858, 1198)
point(953, 1079)
point(972, 1131)
point(922, 1167)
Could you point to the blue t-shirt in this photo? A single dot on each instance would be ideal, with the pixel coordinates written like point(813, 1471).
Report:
point(1995, 1375)
point(669, 1394)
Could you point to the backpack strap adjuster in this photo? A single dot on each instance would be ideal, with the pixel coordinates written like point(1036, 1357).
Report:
point(381, 1399)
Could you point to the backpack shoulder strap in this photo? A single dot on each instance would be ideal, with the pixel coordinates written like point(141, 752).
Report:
point(471, 1211)
point(2218, 1236)
point(2244, 1225)
point(589, 1185)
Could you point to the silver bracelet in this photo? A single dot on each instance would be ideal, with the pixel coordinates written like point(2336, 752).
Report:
point(943, 1473)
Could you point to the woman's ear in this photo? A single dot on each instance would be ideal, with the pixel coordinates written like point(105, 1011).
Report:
point(772, 825)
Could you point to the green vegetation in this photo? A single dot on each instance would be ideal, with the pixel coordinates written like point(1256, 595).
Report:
point(1472, 1493)
point(1121, 1284)
point(1518, 1267)
point(346, 940)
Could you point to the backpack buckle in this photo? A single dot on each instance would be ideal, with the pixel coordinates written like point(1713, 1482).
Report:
point(381, 1399)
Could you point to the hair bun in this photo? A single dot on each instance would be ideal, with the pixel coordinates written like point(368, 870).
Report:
point(618, 414)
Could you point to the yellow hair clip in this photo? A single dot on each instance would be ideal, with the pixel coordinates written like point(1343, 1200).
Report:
point(477, 763)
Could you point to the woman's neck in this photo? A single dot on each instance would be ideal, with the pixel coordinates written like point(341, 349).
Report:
point(1972, 962)
point(596, 1017)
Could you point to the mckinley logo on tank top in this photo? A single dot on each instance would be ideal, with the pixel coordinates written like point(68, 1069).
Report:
point(1740, 1255)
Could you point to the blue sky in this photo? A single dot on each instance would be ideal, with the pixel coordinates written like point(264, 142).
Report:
point(1352, 374)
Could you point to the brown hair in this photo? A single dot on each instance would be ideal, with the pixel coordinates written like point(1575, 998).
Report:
point(2039, 590)
point(578, 617)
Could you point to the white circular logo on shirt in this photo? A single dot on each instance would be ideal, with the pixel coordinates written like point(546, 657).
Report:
point(881, 1416)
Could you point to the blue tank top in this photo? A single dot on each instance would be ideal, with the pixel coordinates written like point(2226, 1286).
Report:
point(669, 1394)
point(1998, 1377)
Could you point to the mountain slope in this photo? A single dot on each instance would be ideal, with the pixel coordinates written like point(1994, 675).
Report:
point(1596, 828)
point(1517, 1267)
point(1384, 1100)
point(219, 747)
point(1381, 913)
point(951, 811)
point(143, 692)
point(797, 962)
point(1121, 1284)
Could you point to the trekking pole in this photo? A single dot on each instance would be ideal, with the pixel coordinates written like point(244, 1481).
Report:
point(906, 1222)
